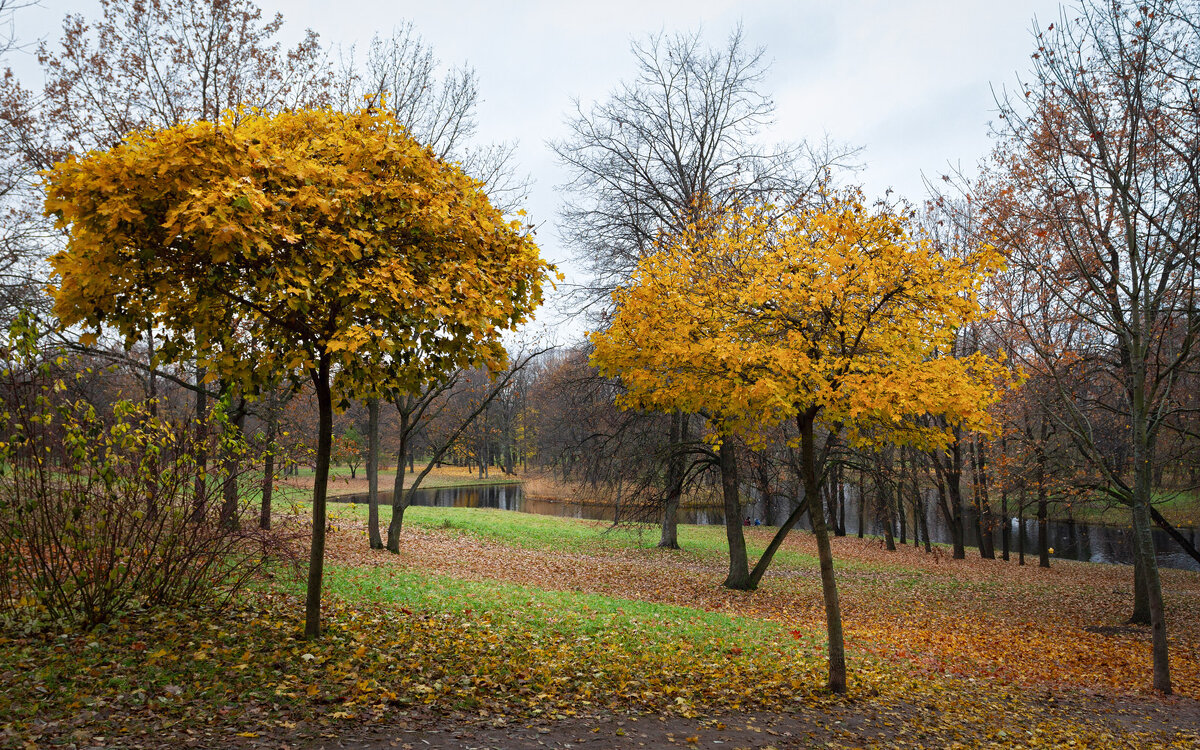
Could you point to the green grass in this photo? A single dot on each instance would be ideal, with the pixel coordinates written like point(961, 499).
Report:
point(538, 532)
point(621, 622)
point(1179, 507)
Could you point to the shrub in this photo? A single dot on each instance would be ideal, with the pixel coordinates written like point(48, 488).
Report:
point(103, 513)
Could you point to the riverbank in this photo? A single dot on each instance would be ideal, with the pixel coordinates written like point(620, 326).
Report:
point(545, 485)
point(499, 626)
point(341, 483)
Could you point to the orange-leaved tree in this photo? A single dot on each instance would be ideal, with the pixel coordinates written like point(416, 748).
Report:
point(832, 315)
point(348, 253)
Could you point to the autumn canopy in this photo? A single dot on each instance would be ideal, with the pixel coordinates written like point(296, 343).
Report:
point(831, 314)
point(314, 244)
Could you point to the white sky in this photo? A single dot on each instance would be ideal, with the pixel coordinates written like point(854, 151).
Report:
point(909, 81)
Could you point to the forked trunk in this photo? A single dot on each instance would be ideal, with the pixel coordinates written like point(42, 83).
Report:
point(375, 540)
point(399, 501)
point(833, 611)
point(739, 567)
point(670, 522)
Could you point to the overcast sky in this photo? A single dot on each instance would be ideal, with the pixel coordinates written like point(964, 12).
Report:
point(909, 82)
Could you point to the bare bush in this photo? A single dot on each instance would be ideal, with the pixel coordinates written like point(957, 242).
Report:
point(100, 514)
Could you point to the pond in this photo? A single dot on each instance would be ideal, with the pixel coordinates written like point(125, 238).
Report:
point(1071, 540)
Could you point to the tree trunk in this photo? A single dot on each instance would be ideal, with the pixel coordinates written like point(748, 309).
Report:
point(954, 489)
point(841, 529)
point(1144, 545)
point(399, 501)
point(375, 540)
point(1173, 532)
point(951, 507)
point(921, 517)
point(268, 483)
point(883, 504)
point(1006, 529)
point(670, 522)
point(983, 510)
point(316, 558)
point(1042, 513)
point(862, 504)
point(1144, 549)
point(760, 568)
point(199, 489)
point(1021, 529)
point(833, 611)
point(739, 568)
point(1141, 598)
point(230, 496)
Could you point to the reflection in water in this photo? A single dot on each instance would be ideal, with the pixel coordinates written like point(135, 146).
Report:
point(1070, 539)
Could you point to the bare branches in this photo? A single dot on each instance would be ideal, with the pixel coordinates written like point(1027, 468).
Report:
point(684, 130)
point(439, 108)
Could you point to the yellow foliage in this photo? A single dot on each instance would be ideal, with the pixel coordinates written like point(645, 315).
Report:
point(754, 316)
point(269, 245)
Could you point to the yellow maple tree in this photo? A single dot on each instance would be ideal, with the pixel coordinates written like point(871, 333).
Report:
point(313, 244)
point(832, 315)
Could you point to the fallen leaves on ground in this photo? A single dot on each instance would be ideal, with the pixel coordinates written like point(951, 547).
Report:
point(1022, 625)
point(974, 652)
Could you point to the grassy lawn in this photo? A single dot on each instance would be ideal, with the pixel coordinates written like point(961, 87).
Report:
point(554, 534)
point(1180, 508)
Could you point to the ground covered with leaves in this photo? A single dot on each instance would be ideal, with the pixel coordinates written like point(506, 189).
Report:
point(497, 629)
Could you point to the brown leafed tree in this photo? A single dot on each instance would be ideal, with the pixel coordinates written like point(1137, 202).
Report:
point(1094, 198)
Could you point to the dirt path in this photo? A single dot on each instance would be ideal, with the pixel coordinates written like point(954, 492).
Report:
point(1146, 723)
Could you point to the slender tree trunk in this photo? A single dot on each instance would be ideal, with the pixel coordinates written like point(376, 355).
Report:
point(1021, 529)
point(316, 559)
point(833, 611)
point(953, 495)
point(374, 539)
point(268, 483)
point(1144, 541)
point(841, 529)
point(828, 501)
point(921, 517)
point(1042, 513)
point(1173, 532)
point(1006, 529)
point(670, 522)
point(201, 406)
point(1141, 597)
point(983, 510)
point(883, 505)
point(739, 567)
point(229, 486)
point(399, 501)
point(862, 504)
point(1144, 549)
point(760, 568)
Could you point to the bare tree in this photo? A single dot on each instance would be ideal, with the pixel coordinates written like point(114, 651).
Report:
point(438, 107)
point(686, 130)
point(1096, 199)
